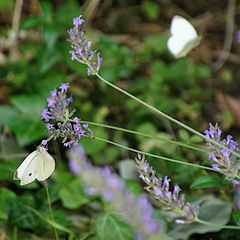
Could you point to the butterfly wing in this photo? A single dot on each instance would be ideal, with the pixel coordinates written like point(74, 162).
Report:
point(184, 37)
point(180, 26)
point(26, 171)
point(45, 164)
point(179, 47)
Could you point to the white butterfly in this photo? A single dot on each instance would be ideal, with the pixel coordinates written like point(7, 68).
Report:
point(183, 37)
point(37, 165)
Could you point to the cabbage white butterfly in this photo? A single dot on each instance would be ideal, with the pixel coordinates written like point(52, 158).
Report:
point(37, 165)
point(183, 37)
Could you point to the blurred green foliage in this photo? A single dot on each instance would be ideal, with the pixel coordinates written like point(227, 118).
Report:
point(148, 71)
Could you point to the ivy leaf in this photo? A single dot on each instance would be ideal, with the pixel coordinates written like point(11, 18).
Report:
point(110, 227)
point(28, 127)
point(20, 216)
point(151, 10)
point(213, 211)
point(72, 195)
point(5, 196)
point(204, 182)
point(236, 218)
point(94, 146)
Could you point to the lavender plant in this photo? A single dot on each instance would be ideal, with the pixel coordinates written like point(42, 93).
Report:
point(169, 200)
point(102, 181)
point(60, 121)
point(82, 51)
point(223, 161)
point(159, 188)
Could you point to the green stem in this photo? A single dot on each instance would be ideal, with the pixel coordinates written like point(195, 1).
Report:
point(50, 222)
point(153, 155)
point(146, 135)
point(50, 209)
point(152, 108)
point(157, 111)
point(217, 226)
point(15, 233)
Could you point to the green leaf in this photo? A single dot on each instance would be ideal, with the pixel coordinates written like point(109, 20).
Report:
point(94, 146)
point(212, 210)
point(148, 128)
point(155, 43)
point(203, 71)
point(196, 139)
point(128, 169)
point(26, 124)
point(118, 61)
point(151, 9)
point(204, 182)
point(5, 196)
point(6, 113)
point(50, 36)
point(73, 195)
point(110, 227)
point(32, 21)
point(134, 186)
point(6, 5)
point(47, 9)
point(184, 135)
point(52, 80)
point(7, 169)
point(65, 14)
point(236, 217)
point(20, 216)
point(106, 156)
point(49, 57)
point(27, 130)
point(61, 177)
point(9, 149)
point(28, 127)
point(28, 104)
point(61, 218)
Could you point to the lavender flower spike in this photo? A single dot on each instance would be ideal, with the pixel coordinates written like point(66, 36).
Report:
point(223, 161)
point(82, 51)
point(137, 211)
point(168, 200)
point(60, 121)
point(238, 36)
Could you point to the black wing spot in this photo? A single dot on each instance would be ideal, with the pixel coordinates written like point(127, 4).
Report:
point(30, 174)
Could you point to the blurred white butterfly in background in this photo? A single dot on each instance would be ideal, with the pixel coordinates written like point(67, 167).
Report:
point(183, 37)
point(37, 165)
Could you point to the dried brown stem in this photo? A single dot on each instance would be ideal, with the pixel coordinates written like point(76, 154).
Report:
point(13, 36)
point(228, 36)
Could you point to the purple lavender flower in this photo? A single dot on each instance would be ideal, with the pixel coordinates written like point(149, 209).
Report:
point(82, 51)
point(60, 121)
point(78, 162)
point(78, 21)
point(238, 36)
point(223, 161)
point(102, 181)
point(169, 200)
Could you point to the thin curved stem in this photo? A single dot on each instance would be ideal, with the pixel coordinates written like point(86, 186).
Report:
point(230, 23)
point(152, 108)
point(50, 222)
point(50, 210)
point(216, 225)
point(154, 155)
point(157, 111)
point(192, 147)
